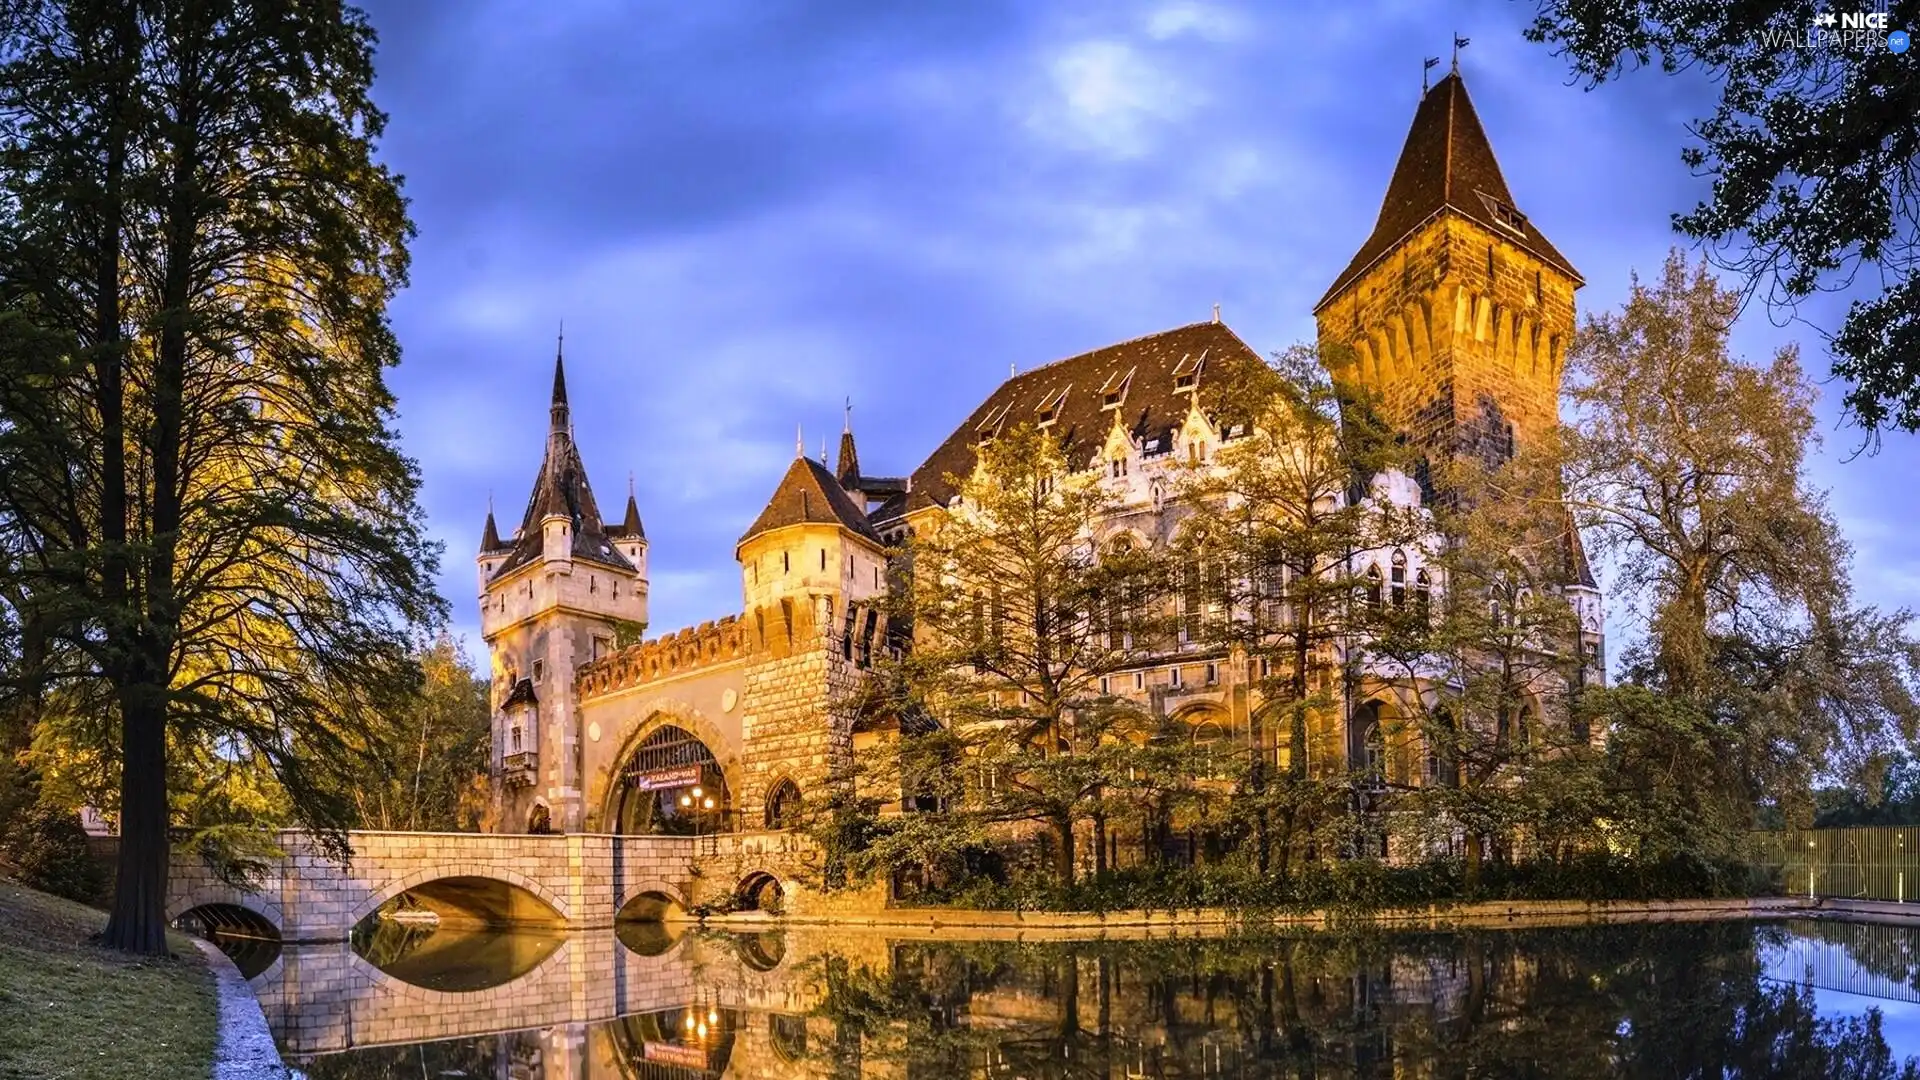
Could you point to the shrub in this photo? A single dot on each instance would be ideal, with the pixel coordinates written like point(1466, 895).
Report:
point(49, 849)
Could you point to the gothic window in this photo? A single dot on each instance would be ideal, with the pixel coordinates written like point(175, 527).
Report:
point(539, 670)
point(1209, 739)
point(783, 805)
point(1373, 586)
point(1423, 597)
point(1373, 757)
point(1399, 579)
point(1118, 467)
point(1192, 600)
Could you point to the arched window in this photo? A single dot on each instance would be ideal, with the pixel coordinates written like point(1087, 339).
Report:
point(540, 822)
point(1399, 579)
point(1373, 742)
point(1373, 586)
point(1210, 744)
point(1423, 597)
point(783, 805)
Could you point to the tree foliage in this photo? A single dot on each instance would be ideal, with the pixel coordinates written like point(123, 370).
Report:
point(1813, 150)
point(202, 500)
point(1688, 466)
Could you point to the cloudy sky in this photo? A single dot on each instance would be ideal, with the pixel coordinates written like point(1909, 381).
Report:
point(748, 210)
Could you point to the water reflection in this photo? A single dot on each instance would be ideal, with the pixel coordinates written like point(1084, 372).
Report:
point(1700, 1000)
point(452, 960)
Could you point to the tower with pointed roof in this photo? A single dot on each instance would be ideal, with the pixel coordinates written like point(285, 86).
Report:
point(1456, 312)
point(556, 594)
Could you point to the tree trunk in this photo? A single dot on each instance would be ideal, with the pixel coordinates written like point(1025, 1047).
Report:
point(1064, 828)
point(1474, 858)
point(1100, 844)
point(138, 922)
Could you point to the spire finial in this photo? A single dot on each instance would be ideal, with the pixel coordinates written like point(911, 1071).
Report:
point(849, 423)
point(823, 450)
point(799, 442)
point(1431, 63)
point(629, 483)
point(1458, 44)
point(1216, 311)
point(1012, 370)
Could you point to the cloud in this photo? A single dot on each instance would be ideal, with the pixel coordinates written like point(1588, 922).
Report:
point(1205, 21)
point(1110, 97)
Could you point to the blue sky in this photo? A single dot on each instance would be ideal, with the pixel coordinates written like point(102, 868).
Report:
point(747, 211)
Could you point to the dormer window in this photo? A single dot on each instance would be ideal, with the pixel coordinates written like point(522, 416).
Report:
point(1186, 374)
point(1050, 407)
point(1504, 214)
point(1156, 445)
point(1114, 393)
point(990, 426)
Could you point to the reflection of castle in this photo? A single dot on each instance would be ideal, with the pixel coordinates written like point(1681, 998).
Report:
point(1458, 312)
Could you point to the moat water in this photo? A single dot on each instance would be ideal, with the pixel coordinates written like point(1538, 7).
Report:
point(653, 1002)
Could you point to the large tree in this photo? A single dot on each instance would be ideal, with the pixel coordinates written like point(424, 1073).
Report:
point(1484, 672)
point(1688, 465)
point(432, 756)
point(201, 490)
point(1284, 515)
point(1020, 618)
point(1814, 155)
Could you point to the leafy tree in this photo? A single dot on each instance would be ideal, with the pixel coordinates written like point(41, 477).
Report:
point(1688, 465)
point(1287, 508)
point(1014, 633)
point(433, 753)
point(200, 487)
point(1486, 671)
point(1812, 154)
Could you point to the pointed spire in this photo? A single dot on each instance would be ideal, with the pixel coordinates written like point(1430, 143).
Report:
point(1447, 164)
point(847, 469)
point(562, 416)
point(490, 539)
point(1216, 313)
point(799, 442)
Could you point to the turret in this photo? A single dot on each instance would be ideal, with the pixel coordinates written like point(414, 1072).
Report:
point(809, 555)
point(557, 595)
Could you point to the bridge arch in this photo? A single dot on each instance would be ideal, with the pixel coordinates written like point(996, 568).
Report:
point(378, 897)
point(220, 894)
point(759, 890)
point(649, 901)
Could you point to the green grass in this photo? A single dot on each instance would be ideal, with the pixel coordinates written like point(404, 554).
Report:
point(71, 1010)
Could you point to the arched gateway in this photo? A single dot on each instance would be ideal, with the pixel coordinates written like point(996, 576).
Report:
point(671, 785)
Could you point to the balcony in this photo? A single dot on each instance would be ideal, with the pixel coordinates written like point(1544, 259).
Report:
point(520, 769)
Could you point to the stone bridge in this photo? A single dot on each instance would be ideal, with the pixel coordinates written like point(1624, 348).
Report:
point(576, 881)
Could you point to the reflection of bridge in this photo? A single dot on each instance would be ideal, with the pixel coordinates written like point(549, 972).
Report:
point(325, 998)
point(576, 880)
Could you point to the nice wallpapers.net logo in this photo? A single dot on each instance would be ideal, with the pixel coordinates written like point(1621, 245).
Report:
point(1850, 30)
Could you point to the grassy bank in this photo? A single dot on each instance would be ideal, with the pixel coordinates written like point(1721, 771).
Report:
point(70, 1009)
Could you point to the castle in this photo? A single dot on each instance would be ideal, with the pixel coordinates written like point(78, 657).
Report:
point(1458, 314)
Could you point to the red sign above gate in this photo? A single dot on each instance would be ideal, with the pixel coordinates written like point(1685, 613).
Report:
point(678, 776)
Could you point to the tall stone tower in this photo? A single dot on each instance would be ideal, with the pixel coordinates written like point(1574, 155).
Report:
point(1456, 312)
point(556, 594)
point(812, 571)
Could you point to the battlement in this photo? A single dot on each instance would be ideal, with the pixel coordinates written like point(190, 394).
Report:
point(720, 641)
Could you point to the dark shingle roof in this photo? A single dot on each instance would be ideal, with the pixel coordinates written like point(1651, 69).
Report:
point(1447, 163)
point(561, 488)
point(1143, 370)
point(631, 526)
point(490, 539)
point(808, 493)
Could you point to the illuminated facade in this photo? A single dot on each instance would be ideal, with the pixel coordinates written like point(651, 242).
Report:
point(1456, 310)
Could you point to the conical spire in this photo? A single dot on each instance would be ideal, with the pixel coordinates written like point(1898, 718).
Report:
point(847, 469)
point(562, 416)
point(490, 539)
point(631, 526)
point(1447, 163)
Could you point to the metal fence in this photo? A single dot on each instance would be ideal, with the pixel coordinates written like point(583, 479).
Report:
point(1879, 863)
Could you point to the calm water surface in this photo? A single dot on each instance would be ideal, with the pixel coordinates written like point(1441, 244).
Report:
point(1792, 999)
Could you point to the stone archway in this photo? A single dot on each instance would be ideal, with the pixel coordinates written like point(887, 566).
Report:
point(609, 791)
